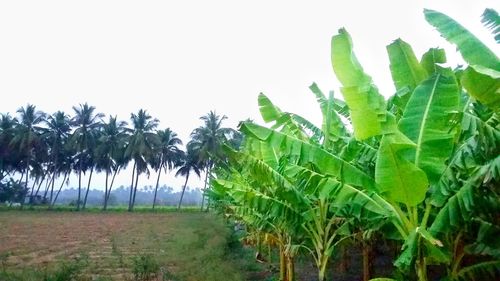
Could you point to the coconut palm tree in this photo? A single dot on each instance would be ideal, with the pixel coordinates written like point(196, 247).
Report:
point(27, 136)
point(83, 139)
point(189, 164)
point(167, 155)
point(140, 148)
point(57, 135)
point(7, 155)
point(110, 149)
point(207, 140)
point(90, 163)
point(65, 166)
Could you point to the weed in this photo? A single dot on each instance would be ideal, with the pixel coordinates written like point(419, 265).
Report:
point(3, 260)
point(145, 267)
point(116, 252)
point(69, 270)
point(167, 275)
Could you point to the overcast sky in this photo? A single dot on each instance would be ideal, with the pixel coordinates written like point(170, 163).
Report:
point(181, 59)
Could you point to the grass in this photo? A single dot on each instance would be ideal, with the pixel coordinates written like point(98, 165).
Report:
point(98, 209)
point(165, 245)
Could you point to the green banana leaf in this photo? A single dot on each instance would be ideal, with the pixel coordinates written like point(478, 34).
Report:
point(332, 126)
point(304, 153)
point(472, 49)
point(397, 178)
point(481, 79)
point(367, 106)
point(457, 210)
point(491, 20)
point(260, 202)
point(460, 207)
point(431, 58)
point(268, 110)
point(345, 198)
point(405, 69)
point(488, 270)
point(271, 113)
point(433, 248)
point(427, 122)
point(483, 84)
point(487, 242)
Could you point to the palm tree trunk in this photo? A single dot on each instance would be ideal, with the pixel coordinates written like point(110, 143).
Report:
point(33, 189)
point(38, 188)
point(40, 184)
point(59, 191)
point(131, 188)
point(110, 187)
point(88, 188)
point(183, 189)
point(53, 175)
point(47, 187)
point(53, 181)
point(204, 187)
point(106, 192)
point(135, 188)
point(156, 188)
point(21, 178)
point(113, 179)
point(27, 179)
point(208, 183)
point(79, 185)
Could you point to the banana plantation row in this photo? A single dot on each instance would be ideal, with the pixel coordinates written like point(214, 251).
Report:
point(37, 149)
point(421, 168)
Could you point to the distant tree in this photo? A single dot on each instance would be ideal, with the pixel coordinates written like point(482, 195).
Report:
point(140, 148)
point(189, 164)
point(57, 136)
point(207, 141)
point(167, 155)
point(8, 157)
point(110, 149)
point(12, 191)
point(65, 166)
point(27, 136)
point(84, 138)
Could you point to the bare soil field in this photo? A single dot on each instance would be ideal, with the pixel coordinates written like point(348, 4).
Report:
point(185, 246)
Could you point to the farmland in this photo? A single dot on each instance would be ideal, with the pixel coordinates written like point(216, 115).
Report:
point(400, 185)
point(184, 246)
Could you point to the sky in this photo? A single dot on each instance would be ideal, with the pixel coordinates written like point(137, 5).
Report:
point(181, 59)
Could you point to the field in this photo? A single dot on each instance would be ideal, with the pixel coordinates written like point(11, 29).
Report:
point(118, 246)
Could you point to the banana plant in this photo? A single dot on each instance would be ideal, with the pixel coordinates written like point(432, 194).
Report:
point(256, 199)
point(417, 143)
point(295, 150)
point(422, 164)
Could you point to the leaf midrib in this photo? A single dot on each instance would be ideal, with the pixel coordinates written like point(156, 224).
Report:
point(424, 121)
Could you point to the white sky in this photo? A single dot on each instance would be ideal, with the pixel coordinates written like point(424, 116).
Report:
point(180, 59)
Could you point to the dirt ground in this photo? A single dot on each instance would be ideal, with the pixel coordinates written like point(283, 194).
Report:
point(111, 241)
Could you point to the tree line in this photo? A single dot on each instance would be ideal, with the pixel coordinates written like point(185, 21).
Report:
point(420, 169)
point(166, 196)
point(37, 149)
